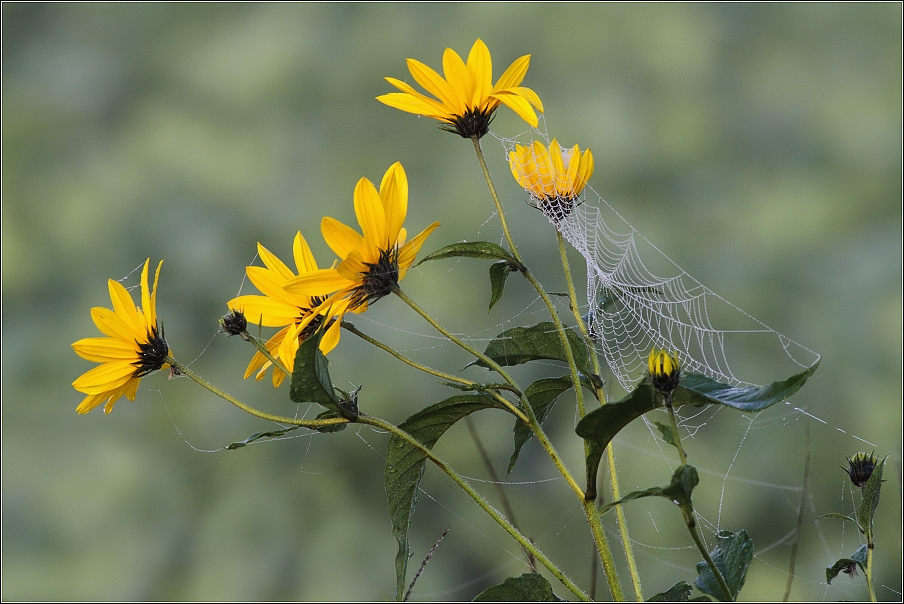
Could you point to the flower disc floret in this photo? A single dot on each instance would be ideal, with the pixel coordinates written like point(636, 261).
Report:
point(554, 177)
point(466, 99)
point(373, 261)
point(133, 348)
point(295, 313)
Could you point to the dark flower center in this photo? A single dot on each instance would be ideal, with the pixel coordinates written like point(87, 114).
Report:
point(860, 468)
point(151, 355)
point(380, 279)
point(234, 323)
point(473, 122)
point(312, 327)
point(556, 208)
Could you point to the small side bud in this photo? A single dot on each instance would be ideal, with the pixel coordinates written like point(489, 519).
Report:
point(234, 323)
point(860, 468)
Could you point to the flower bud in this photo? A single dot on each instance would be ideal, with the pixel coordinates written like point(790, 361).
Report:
point(860, 468)
point(665, 370)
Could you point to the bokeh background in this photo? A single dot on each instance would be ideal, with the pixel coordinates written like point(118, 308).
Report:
point(759, 146)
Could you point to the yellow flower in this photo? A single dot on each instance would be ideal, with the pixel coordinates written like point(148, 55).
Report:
point(665, 370)
point(553, 177)
point(279, 308)
point(134, 346)
point(467, 97)
point(373, 263)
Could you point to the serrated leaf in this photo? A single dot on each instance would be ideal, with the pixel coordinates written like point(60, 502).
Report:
point(470, 249)
point(260, 435)
point(529, 587)
point(679, 592)
point(405, 465)
point(311, 376)
point(539, 342)
point(541, 395)
point(870, 500)
point(499, 272)
point(732, 557)
point(847, 564)
point(667, 433)
point(601, 425)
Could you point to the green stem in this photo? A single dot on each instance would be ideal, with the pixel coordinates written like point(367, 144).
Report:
point(262, 347)
point(692, 527)
point(589, 507)
point(869, 570)
point(601, 397)
point(668, 404)
point(486, 174)
point(305, 423)
point(499, 518)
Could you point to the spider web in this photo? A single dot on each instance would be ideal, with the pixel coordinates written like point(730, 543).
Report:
point(638, 298)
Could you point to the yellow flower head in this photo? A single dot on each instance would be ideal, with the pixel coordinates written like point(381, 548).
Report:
point(665, 370)
point(554, 177)
point(373, 263)
point(279, 308)
point(467, 98)
point(133, 348)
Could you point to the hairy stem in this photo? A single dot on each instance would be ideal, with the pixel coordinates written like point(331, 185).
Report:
point(692, 527)
point(486, 174)
point(304, 423)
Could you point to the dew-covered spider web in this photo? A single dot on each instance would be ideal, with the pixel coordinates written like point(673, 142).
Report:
point(638, 298)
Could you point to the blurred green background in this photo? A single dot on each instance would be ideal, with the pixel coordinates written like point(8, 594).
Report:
point(759, 146)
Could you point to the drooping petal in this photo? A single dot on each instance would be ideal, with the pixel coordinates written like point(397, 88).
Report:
point(519, 105)
point(105, 377)
point(330, 337)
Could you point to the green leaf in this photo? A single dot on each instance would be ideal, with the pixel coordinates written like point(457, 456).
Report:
point(700, 390)
point(311, 376)
point(679, 592)
point(541, 395)
point(870, 500)
point(667, 433)
point(601, 425)
point(470, 249)
point(539, 342)
point(846, 565)
point(732, 557)
point(678, 491)
point(499, 272)
point(842, 517)
point(405, 464)
point(529, 587)
point(260, 435)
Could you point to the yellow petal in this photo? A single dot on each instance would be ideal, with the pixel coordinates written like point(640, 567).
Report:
point(433, 83)
point(317, 283)
point(108, 376)
point(274, 264)
point(102, 350)
point(111, 324)
point(459, 79)
point(519, 105)
point(270, 283)
point(480, 64)
point(146, 298)
point(394, 196)
point(264, 311)
point(371, 217)
point(410, 249)
point(514, 75)
point(330, 338)
point(304, 259)
point(341, 238)
point(352, 268)
point(124, 308)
